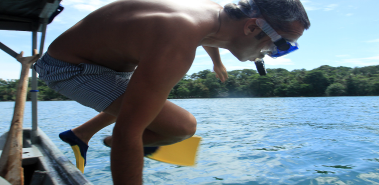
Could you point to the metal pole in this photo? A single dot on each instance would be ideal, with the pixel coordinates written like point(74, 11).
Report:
point(34, 94)
point(42, 43)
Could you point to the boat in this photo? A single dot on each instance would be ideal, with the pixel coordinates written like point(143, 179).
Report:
point(28, 156)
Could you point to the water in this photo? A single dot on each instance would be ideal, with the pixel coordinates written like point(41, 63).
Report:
point(325, 140)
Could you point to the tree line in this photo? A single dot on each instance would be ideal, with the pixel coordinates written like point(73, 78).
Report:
point(322, 81)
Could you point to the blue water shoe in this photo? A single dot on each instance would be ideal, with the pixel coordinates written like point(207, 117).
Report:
point(78, 146)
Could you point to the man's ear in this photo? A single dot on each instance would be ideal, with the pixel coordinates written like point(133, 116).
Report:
point(251, 27)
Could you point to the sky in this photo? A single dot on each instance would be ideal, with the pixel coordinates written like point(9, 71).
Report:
point(342, 33)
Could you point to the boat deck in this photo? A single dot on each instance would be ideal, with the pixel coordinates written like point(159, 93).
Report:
point(44, 163)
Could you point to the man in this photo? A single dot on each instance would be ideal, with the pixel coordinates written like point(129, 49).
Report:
point(156, 41)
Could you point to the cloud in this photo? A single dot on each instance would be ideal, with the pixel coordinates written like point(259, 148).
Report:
point(371, 41)
point(60, 20)
point(71, 2)
point(224, 51)
point(330, 7)
point(83, 5)
point(10, 34)
point(201, 56)
point(349, 14)
point(246, 66)
point(308, 5)
point(311, 5)
point(368, 61)
point(278, 61)
point(224, 2)
point(11, 70)
point(341, 56)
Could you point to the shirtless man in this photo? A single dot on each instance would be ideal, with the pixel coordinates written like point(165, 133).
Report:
point(93, 62)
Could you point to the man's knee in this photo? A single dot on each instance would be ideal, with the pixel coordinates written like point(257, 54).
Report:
point(176, 133)
point(188, 129)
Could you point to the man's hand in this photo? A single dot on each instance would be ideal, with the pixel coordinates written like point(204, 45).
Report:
point(220, 71)
point(218, 67)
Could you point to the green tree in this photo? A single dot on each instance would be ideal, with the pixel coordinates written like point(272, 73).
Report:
point(213, 85)
point(183, 92)
point(232, 86)
point(375, 88)
point(298, 89)
point(246, 83)
point(262, 86)
point(352, 86)
point(198, 89)
point(201, 74)
point(336, 89)
point(317, 81)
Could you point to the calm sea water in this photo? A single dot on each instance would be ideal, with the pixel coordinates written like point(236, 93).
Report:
point(325, 140)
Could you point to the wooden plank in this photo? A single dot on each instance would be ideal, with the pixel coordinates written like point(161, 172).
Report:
point(8, 50)
point(11, 157)
point(29, 152)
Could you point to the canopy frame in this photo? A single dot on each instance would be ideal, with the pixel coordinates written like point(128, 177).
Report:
point(33, 22)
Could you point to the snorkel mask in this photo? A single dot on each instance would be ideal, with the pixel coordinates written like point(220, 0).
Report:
point(280, 45)
point(278, 48)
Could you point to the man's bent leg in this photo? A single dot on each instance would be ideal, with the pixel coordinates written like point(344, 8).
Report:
point(173, 124)
point(91, 127)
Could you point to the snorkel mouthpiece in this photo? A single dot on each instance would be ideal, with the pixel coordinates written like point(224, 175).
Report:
point(260, 64)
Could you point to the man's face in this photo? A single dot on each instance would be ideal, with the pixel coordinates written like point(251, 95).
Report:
point(252, 48)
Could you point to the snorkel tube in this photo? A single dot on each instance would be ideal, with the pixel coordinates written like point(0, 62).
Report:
point(260, 64)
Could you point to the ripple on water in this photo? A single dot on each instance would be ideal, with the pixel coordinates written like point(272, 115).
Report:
point(326, 140)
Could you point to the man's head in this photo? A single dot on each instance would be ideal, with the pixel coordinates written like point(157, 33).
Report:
point(287, 17)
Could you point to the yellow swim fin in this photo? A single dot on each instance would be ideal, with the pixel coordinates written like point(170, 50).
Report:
point(182, 153)
point(80, 161)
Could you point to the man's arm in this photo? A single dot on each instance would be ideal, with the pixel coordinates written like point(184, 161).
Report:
point(143, 100)
point(218, 67)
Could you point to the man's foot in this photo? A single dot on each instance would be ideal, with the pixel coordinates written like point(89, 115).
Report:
point(149, 150)
point(146, 150)
point(107, 141)
point(78, 146)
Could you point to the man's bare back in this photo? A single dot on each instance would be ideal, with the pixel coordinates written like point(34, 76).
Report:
point(119, 34)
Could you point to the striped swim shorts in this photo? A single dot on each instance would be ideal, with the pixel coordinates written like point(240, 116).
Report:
point(91, 85)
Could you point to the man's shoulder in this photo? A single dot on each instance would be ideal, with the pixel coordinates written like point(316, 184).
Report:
point(173, 17)
point(163, 30)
